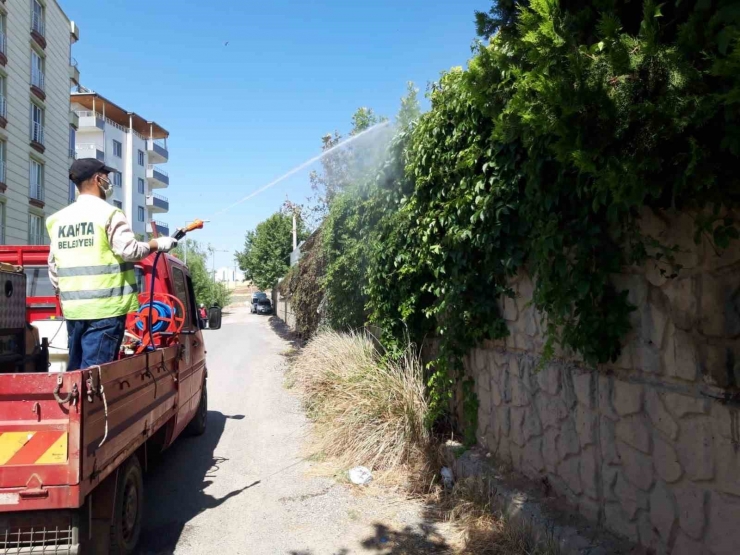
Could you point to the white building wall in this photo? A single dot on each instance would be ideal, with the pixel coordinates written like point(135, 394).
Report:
point(128, 195)
point(55, 158)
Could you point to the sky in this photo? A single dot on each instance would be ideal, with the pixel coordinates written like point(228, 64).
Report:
point(242, 114)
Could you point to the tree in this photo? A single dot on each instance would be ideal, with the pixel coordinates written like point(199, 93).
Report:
point(410, 110)
point(266, 254)
point(206, 290)
point(340, 168)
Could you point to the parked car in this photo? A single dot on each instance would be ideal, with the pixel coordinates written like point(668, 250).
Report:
point(256, 297)
point(264, 306)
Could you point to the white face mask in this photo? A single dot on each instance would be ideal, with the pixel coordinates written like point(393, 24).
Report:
point(107, 190)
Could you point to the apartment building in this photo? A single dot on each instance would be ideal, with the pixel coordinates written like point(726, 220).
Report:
point(36, 124)
point(135, 147)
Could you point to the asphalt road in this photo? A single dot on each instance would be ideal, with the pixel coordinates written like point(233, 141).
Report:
point(245, 487)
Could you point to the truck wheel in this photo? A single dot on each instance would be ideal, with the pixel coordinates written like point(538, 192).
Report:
point(126, 526)
point(197, 426)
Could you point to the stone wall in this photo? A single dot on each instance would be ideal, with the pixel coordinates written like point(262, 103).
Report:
point(282, 308)
point(648, 446)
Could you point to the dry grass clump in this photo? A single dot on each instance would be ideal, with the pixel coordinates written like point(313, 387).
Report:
point(471, 509)
point(368, 410)
point(371, 410)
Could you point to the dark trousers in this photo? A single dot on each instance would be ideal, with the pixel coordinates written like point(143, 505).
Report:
point(93, 342)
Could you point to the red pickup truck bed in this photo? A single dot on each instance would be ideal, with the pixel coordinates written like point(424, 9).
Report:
point(68, 439)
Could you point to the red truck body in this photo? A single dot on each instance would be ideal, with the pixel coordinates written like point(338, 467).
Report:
point(56, 457)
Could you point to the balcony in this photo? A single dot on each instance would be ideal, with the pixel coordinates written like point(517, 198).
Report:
point(157, 203)
point(2, 172)
point(3, 49)
point(74, 71)
point(163, 229)
point(3, 111)
point(157, 178)
point(74, 31)
point(38, 83)
point(37, 192)
point(90, 119)
point(38, 28)
point(37, 136)
point(74, 120)
point(87, 150)
point(157, 151)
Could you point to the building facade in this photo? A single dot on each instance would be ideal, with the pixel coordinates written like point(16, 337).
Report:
point(133, 146)
point(36, 124)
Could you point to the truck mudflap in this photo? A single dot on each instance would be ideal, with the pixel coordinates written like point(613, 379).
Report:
point(40, 532)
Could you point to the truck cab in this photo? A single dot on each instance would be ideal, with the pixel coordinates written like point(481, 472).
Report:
point(74, 445)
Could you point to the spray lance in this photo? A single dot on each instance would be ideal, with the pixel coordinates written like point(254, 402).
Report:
point(179, 234)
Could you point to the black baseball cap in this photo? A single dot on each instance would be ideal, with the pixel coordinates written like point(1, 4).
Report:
point(84, 168)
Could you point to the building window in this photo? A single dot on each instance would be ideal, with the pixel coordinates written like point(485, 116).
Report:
point(37, 18)
point(3, 104)
point(71, 192)
point(3, 42)
point(72, 141)
point(35, 229)
point(37, 124)
point(116, 179)
point(37, 70)
point(118, 204)
point(141, 186)
point(3, 152)
point(141, 213)
point(141, 157)
point(37, 182)
point(117, 149)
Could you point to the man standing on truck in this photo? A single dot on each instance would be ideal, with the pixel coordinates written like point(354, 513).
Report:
point(91, 258)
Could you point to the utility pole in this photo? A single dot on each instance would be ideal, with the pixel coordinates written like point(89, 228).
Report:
point(295, 233)
point(213, 252)
point(295, 211)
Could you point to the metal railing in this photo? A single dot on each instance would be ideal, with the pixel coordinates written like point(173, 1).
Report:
point(3, 43)
point(116, 125)
point(161, 142)
point(37, 191)
point(37, 24)
point(72, 62)
point(163, 227)
point(37, 132)
point(72, 153)
point(159, 197)
point(2, 173)
point(37, 78)
point(88, 114)
point(35, 237)
point(157, 169)
point(3, 106)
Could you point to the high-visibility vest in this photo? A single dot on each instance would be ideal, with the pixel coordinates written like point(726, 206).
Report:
point(94, 282)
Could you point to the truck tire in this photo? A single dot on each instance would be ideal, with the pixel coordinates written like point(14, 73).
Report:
point(128, 511)
point(197, 426)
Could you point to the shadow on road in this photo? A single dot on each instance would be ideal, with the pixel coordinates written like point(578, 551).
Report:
point(174, 489)
point(282, 330)
point(418, 540)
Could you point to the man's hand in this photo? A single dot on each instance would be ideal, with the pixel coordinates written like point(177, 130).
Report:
point(165, 244)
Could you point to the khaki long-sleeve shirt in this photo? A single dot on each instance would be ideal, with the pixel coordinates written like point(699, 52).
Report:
point(120, 237)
